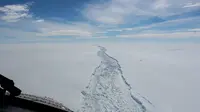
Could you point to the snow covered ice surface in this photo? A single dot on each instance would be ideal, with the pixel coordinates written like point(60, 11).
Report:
point(108, 90)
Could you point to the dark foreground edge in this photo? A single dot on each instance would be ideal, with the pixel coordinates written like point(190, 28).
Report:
point(28, 102)
point(12, 100)
point(37, 104)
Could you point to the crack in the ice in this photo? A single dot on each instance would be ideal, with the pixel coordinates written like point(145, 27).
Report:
point(104, 93)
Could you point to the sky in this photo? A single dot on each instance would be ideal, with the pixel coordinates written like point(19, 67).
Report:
point(23, 21)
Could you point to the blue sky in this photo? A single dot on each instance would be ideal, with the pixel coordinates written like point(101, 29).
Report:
point(99, 20)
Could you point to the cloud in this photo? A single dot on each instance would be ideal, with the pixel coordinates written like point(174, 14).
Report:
point(116, 30)
point(166, 25)
point(161, 4)
point(130, 11)
point(39, 29)
point(104, 14)
point(43, 29)
point(163, 35)
point(72, 30)
point(40, 20)
point(188, 5)
point(112, 12)
point(195, 29)
point(18, 35)
point(76, 29)
point(14, 13)
point(185, 23)
point(106, 19)
point(66, 32)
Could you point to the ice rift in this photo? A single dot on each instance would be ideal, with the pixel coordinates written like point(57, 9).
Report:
point(108, 90)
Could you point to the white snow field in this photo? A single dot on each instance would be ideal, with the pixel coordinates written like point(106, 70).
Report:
point(167, 74)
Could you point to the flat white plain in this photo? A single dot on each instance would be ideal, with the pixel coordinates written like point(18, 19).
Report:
point(167, 74)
